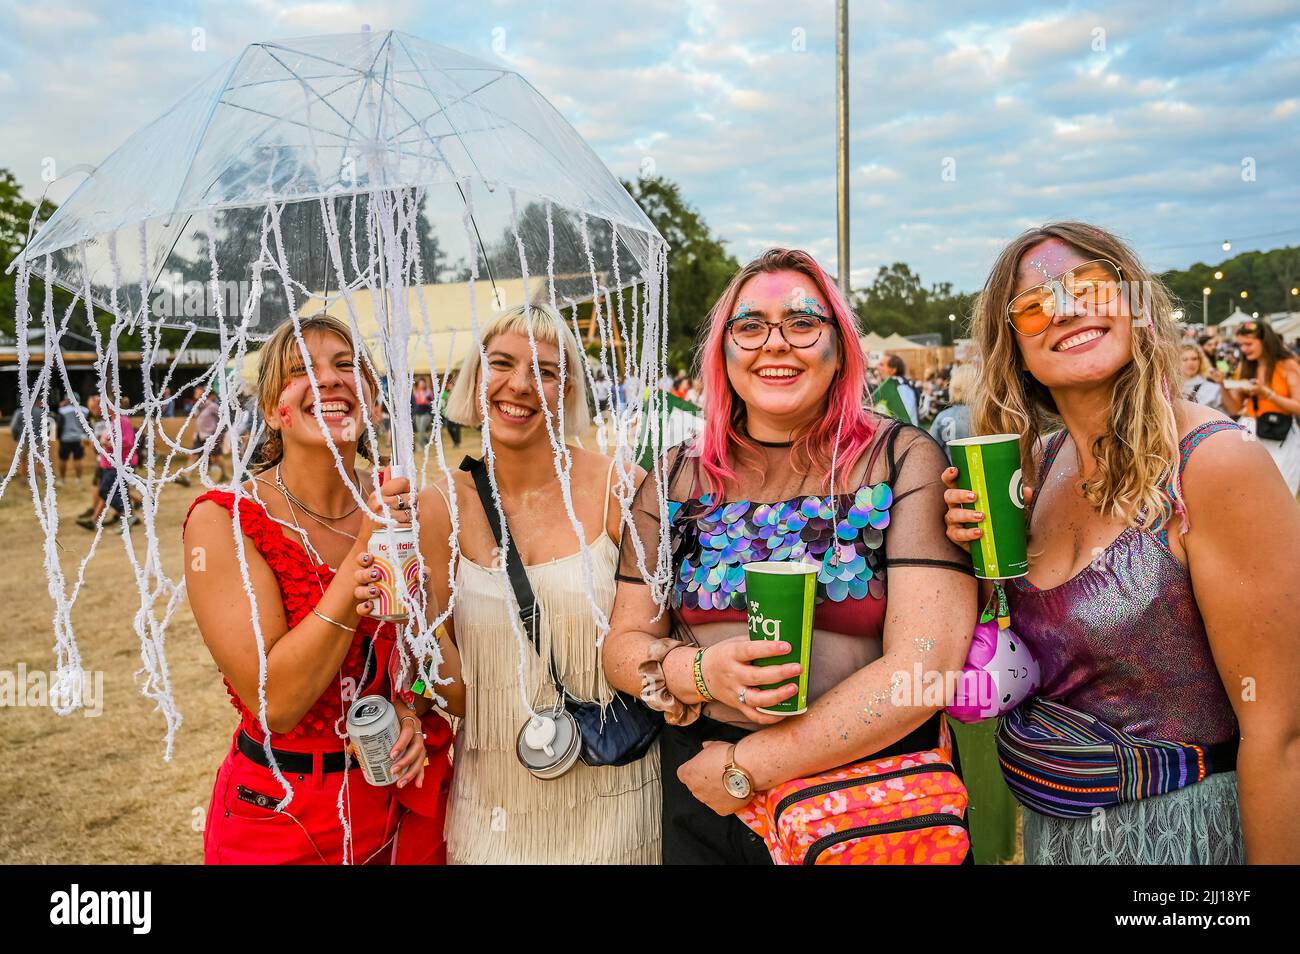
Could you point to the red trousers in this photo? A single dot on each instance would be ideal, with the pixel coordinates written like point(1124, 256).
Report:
point(387, 825)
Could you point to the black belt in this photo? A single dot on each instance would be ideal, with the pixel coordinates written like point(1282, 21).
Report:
point(297, 763)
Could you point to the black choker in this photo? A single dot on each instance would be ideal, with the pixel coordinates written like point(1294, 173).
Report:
point(772, 443)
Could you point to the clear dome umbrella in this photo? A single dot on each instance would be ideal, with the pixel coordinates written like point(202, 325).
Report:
point(403, 186)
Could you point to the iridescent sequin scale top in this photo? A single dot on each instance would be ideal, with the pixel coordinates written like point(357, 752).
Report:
point(1123, 640)
point(843, 535)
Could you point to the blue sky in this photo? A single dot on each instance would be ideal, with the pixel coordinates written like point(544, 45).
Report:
point(1175, 123)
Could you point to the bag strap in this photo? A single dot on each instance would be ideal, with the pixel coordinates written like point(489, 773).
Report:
point(515, 571)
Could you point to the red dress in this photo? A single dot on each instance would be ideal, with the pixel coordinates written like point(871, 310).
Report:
point(386, 824)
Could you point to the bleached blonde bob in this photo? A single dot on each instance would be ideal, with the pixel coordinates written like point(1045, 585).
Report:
point(546, 325)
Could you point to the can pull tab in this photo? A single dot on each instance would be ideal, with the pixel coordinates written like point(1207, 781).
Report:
point(540, 734)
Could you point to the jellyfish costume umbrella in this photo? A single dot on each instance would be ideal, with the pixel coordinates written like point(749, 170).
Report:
point(375, 176)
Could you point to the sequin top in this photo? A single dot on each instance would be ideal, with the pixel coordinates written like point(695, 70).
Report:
point(892, 515)
point(1123, 640)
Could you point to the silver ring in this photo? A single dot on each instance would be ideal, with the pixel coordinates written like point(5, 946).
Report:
point(741, 697)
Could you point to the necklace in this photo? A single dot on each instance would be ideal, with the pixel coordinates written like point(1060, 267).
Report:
point(324, 521)
point(279, 483)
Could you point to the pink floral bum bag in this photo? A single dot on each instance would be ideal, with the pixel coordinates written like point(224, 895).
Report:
point(899, 810)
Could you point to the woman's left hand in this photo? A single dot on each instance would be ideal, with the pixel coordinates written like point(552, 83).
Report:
point(703, 776)
point(408, 754)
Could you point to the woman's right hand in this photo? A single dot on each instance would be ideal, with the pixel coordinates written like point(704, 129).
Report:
point(958, 516)
point(728, 670)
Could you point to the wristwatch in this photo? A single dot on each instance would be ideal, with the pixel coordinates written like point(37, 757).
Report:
point(738, 783)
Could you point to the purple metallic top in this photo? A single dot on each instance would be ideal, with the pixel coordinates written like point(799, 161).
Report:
point(1123, 640)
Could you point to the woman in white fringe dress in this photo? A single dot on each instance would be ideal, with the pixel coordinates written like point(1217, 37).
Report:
point(498, 812)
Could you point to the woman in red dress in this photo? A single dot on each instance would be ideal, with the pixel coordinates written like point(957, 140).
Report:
point(276, 558)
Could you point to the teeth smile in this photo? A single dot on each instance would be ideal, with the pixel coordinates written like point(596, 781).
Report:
point(333, 409)
point(1075, 340)
point(778, 372)
point(514, 410)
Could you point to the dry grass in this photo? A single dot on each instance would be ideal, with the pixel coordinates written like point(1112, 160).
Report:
point(93, 790)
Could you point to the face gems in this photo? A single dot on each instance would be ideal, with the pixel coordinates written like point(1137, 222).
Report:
point(286, 418)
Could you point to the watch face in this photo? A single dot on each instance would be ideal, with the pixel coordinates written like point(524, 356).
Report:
point(737, 785)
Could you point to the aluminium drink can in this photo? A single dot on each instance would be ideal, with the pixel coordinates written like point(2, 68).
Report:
point(398, 565)
point(373, 728)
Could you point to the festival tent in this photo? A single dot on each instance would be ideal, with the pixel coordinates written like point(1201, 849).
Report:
point(1233, 320)
point(872, 342)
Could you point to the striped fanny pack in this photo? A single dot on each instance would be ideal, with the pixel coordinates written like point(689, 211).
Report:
point(1063, 762)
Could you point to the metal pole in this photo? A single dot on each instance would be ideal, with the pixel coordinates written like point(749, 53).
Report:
point(842, 139)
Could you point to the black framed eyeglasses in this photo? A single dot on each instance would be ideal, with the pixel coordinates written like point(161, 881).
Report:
point(751, 333)
point(1096, 284)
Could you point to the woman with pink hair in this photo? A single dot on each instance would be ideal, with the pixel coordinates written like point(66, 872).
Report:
point(792, 466)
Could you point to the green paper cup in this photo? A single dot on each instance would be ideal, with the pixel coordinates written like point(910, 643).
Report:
point(781, 598)
point(990, 466)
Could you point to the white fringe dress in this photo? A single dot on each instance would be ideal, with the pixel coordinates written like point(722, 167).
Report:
point(499, 813)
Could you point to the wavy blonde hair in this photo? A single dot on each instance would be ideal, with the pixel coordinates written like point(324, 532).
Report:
point(1137, 455)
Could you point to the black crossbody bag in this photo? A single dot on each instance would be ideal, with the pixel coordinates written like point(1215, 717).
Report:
point(619, 735)
point(1272, 426)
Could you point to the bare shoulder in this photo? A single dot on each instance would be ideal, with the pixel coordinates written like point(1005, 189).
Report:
point(1229, 463)
point(1190, 415)
point(590, 468)
point(434, 499)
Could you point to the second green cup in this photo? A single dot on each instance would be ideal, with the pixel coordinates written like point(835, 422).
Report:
point(781, 598)
point(990, 466)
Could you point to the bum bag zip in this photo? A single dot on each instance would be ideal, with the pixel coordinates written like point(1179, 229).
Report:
point(885, 828)
point(816, 791)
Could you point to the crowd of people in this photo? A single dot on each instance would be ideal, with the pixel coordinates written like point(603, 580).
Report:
point(1160, 499)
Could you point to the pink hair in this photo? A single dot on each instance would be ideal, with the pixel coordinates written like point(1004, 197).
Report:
point(845, 419)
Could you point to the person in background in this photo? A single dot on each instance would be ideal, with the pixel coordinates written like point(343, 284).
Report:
point(695, 392)
point(1197, 385)
point(892, 366)
point(98, 441)
point(453, 427)
point(1270, 397)
point(207, 423)
point(1210, 345)
point(953, 422)
point(168, 402)
point(113, 486)
point(72, 436)
point(421, 411)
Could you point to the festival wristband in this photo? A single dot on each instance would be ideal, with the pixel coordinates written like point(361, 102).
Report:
point(700, 685)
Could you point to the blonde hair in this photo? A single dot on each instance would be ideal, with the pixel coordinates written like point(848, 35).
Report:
point(961, 386)
point(1138, 453)
point(278, 357)
point(547, 326)
point(1204, 367)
